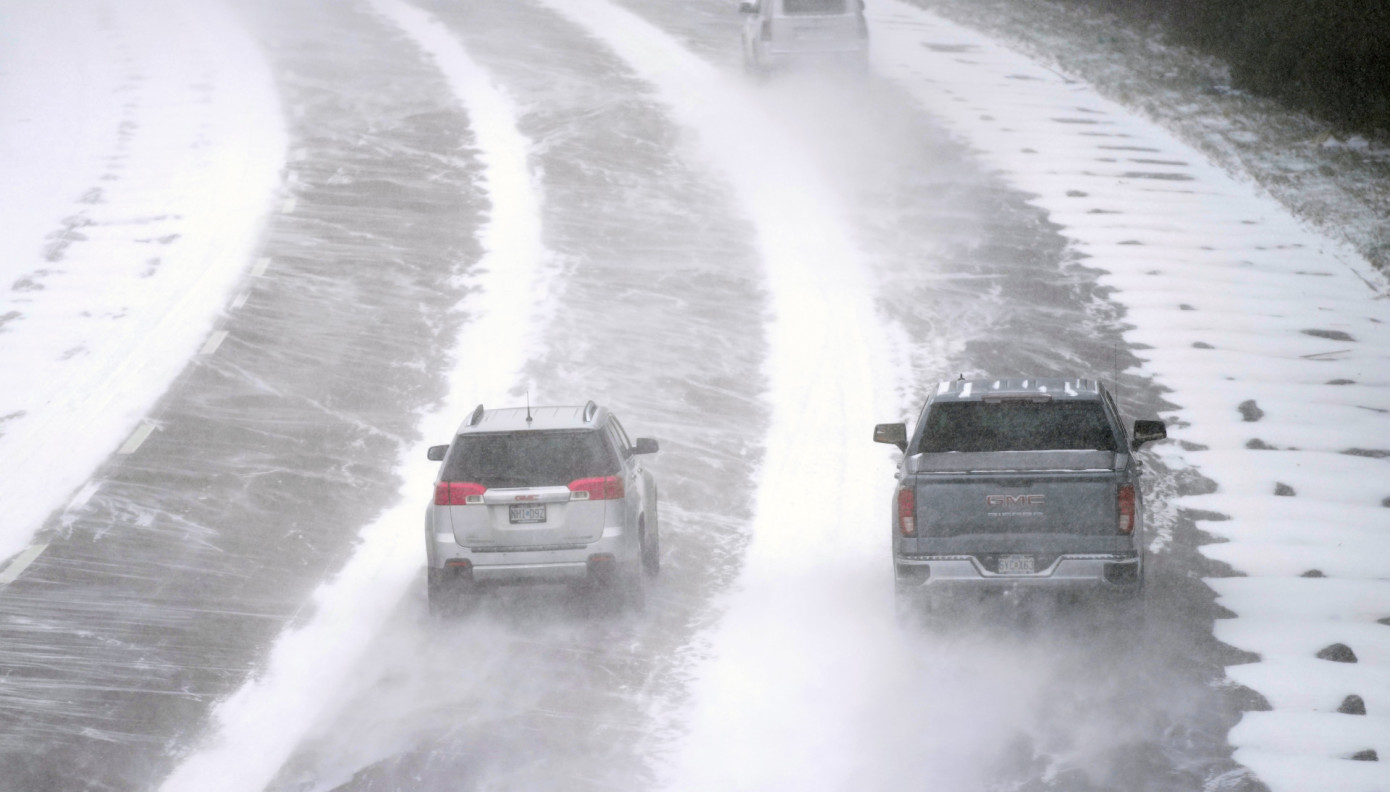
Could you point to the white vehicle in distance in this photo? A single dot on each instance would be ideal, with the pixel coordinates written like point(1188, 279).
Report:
point(781, 33)
point(541, 495)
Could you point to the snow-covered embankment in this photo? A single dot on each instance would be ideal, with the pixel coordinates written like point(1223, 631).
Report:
point(1273, 341)
point(142, 144)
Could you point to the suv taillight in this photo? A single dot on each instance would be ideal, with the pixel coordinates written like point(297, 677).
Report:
point(606, 488)
point(458, 493)
point(907, 512)
point(1124, 502)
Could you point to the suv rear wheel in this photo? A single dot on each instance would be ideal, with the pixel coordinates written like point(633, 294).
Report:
point(626, 589)
point(448, 596)
point(651, 552)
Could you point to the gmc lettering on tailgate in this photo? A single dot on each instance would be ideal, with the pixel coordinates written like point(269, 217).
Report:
point(1014, 500)
point(1012, 504)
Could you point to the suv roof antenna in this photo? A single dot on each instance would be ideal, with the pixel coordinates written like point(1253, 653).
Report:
point(528, 405)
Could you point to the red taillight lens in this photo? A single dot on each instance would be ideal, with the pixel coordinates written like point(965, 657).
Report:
point(458, 493)
point(606, 488)
point(1124, 501)
point(907, 512)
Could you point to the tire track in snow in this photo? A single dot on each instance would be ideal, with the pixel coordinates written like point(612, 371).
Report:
point(307, 665)
point(815, 564)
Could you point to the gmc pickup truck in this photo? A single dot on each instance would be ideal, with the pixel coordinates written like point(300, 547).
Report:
point(1017, 483)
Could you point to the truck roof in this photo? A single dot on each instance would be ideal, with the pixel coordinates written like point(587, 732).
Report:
point(989, 388)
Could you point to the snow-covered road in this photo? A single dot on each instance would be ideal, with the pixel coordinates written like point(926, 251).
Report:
point(588, 200)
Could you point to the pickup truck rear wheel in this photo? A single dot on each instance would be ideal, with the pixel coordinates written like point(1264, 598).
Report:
point(913, 606)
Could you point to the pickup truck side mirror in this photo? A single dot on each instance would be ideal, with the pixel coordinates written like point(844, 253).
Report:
point(643, 445)
point(894, 433)
point(1147, 432)
point(436, 453)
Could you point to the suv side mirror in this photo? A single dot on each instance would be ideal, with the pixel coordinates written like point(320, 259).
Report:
point(436, 453)
point(644, 445)
point(894, 433)
point(1147, 432)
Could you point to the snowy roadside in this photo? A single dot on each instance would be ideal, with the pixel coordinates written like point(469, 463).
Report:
point(1338, 183)
point(1273, 342)
point(133, 201)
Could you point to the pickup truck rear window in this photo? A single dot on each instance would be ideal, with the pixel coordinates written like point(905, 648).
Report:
point(814, 6)
point(530, 459)
point(1017, 426)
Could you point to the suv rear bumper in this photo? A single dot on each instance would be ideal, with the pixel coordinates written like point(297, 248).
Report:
point(569, 563)
point(1115, 571)
point(774, 56)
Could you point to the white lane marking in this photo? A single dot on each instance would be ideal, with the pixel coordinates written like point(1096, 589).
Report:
point(21, 563)
point(213, 343)
point(137, 439)
point(241, 300)
point(80, 500)
point(85, 494)
point(262, 264)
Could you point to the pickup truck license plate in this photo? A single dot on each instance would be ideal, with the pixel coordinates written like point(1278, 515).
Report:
point(528, 513)
point(1011, 564)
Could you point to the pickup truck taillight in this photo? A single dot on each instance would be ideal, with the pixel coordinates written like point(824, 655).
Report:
point(606, 488)
point(458, 493)
point(1124, 501)
point(907, 511)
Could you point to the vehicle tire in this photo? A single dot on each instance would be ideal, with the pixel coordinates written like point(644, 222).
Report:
point(911, 606)
point(631, 588)
point(651, 552)
point(447, 597)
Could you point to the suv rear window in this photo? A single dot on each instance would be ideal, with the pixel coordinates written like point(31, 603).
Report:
point(1017, 426)
point(814, 6)
point(530, 459)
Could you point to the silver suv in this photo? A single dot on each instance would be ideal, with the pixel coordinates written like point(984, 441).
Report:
point(541, 495)
point(778, 33)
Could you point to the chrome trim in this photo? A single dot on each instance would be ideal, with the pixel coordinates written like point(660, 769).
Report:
point(528, 548)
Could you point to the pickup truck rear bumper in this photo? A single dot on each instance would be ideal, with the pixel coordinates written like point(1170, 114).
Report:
point(1068, 570)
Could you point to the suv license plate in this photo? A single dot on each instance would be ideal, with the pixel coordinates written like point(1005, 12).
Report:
point(1013, 564)
point(527, 513)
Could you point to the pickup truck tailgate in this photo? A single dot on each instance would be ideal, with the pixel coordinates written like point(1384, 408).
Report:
point(1047, 494)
